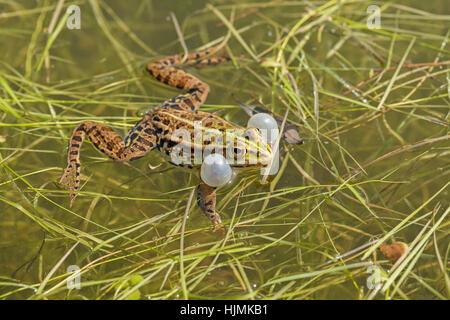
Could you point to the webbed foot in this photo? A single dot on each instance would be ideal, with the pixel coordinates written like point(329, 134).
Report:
point(206, 199)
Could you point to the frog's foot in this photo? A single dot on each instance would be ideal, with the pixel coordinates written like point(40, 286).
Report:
point(206, 199)
point(209, 57)
point(71, 179)
point(219, 228)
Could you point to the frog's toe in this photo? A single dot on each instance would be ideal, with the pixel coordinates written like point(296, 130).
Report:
point(72, 198)
point(71, 181)
point(219, 228)
point(214, 217)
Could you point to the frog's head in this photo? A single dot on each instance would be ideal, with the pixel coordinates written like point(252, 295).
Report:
point(250, 149)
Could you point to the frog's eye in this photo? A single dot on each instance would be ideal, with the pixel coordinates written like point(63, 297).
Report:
point(237, 150)
point(239, 153)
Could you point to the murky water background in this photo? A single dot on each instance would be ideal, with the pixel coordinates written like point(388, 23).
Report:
point(102, 64)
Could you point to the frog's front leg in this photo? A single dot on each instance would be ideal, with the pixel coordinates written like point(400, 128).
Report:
point(206, 199)
point(139, 140)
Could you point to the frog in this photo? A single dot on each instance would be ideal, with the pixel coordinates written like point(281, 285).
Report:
point(157, 127)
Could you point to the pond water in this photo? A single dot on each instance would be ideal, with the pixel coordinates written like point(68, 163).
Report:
point(374, 160)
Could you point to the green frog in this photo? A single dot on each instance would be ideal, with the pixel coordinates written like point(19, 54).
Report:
point(157, 127)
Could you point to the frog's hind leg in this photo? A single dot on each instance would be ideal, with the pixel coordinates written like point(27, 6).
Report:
point(206, 199)
point(138, 142)
point(164, 70)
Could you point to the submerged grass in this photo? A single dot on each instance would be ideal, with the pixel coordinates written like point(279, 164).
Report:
point(371, 104)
